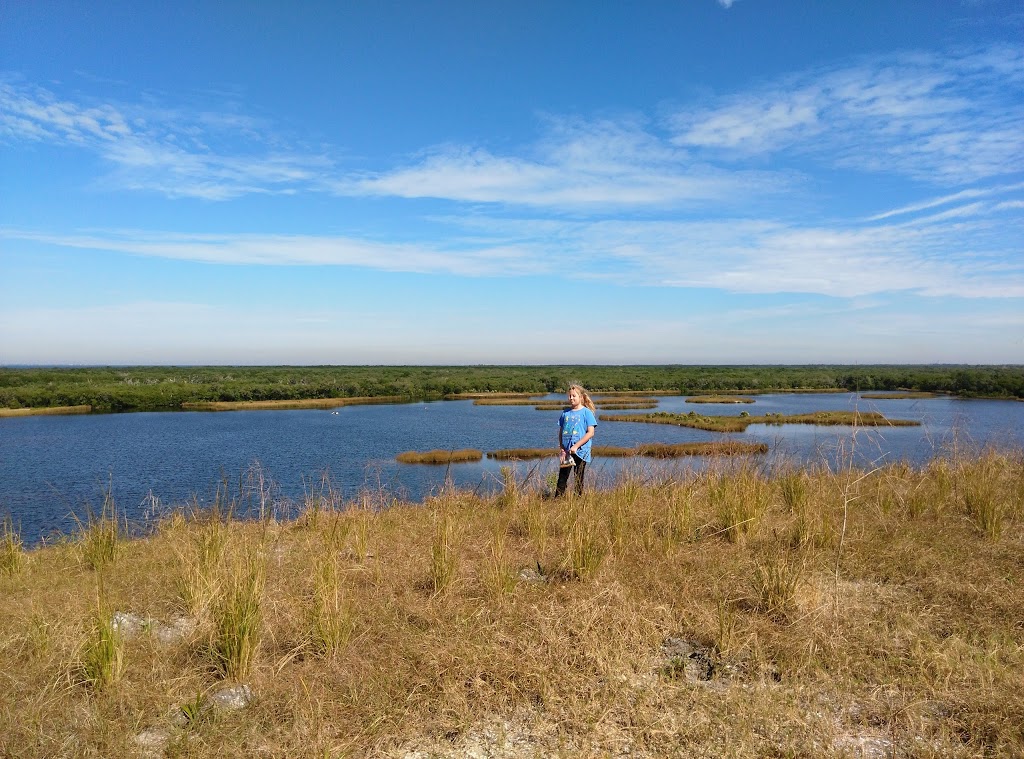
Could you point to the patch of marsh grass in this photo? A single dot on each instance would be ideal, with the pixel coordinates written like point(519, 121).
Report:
point(984, 497)
point(101, 658)
point(739, 499)
point(201, 561)
point(439, 456)
point(12, 549)
point(499, 576)
point(100, 535)
point(775, 579)
point(238, 614)
point(331, 621)
point(587, 539)
point(444, 551)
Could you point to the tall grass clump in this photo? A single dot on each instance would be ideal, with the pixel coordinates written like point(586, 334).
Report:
point(776, 579)
point(499, 577)
point(738, 498)
point(984, 499)
point(201, 564)
point(99, 536)
point(510, 488)
point(12, 549)
point(102, 654)
point(444, 551)
point(330, 619)
point(586, 544)
point(678, 514)
point(238, 616)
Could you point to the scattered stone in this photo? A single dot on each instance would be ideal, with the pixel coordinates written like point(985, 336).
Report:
point(529, 574)
point(177, 629)
point(864, 746)
point(127, 624)
point(132, 626)
point(232, 698)
point(153, 741)
point(687, 660)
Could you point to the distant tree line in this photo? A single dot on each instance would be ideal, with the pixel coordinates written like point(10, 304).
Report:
point(147, 388)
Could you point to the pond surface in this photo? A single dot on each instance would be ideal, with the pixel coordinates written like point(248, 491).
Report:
point(54, 469)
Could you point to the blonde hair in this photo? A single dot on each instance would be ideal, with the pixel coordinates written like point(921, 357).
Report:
point(584, 395)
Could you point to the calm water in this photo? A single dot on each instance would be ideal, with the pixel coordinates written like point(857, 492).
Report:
point(53, 468)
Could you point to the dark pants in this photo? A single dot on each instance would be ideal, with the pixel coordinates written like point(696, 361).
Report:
point(580, 467)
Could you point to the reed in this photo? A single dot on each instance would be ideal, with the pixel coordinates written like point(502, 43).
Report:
point(101, 660)
point(651, 450)
point(45, 411)
point(740, 423)
point(739, 499)
point(291, 403)
point(439, 457)
point(238, 615)
point(898, 396)
point(776, 579)
point(200, 561)
point(586, 545)
point(12, 548)
point(330, 618)
point(719, 399)
point(444, 552)
point(99, 537)
point(985, 502)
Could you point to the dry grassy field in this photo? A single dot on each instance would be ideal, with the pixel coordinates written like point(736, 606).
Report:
point(835, 613)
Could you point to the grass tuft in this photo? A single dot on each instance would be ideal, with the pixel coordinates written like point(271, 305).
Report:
point(12, 550)
point(100, 535)
point(238, 616)
point(102, 655)
point(330, 618)
point(439, 457)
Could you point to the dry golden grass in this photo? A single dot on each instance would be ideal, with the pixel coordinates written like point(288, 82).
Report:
point(291, 404)
point(464, 396)
point(47, 411)
point(439, 456)
point(852, 609)
point(719, 399)
point(653, 450)
point(740, 423)
point(897, 396)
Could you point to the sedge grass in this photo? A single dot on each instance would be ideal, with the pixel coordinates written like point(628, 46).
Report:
point(330, 622)
point(652, 450)
point(719, 399)
point(911, 633)
point(238, 616)
point(12, 548)
point(293, 403)
point(439, 457)
point(740, 423)
point(45, 411)
point(99, 537)
point(101, 662)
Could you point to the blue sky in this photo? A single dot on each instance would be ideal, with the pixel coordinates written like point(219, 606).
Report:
point(694, 181)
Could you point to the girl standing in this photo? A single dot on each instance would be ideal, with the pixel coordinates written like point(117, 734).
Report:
point(576, 427)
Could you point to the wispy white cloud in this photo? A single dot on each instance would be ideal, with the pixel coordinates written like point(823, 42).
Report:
point(956, 197)
point(961, 251)
point(596, 165)
point(942, 118)
point(159, 150)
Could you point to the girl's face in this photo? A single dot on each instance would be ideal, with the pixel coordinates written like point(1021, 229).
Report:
point(575, 399)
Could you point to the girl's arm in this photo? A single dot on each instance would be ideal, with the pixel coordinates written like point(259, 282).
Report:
point(579, 443)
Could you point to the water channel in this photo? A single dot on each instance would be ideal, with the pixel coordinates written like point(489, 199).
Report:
point(54, 470)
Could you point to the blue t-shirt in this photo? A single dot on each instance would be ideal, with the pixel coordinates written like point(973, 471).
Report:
point(573, 425)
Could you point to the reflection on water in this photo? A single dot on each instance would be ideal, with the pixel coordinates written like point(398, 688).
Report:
point(53, 467)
